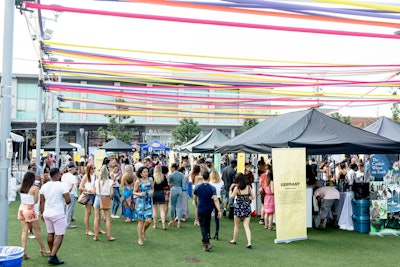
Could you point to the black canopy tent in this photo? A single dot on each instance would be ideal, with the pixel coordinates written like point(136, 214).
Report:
point(207, 143)
point(317, 132)
point(191, 141)
point(64, 146)
point(385, 127)
point(116, 145)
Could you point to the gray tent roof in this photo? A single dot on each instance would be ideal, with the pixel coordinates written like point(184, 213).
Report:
point(64, 145)
point(207, 143)
point(191, 141)
point(385, 127)
point(318, 133)
point(116, 145)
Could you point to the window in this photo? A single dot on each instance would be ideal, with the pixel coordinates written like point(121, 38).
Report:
point(27, 94)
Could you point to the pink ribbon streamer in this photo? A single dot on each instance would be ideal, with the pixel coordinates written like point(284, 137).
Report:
point(208, 22)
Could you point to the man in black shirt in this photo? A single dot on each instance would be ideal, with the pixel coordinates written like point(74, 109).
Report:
point(228, 175)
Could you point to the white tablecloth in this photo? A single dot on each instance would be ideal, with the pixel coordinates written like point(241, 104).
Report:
point(345, 211)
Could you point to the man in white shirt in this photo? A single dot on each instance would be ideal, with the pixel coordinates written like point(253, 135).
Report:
point(69, 179)
point(53, 196)
point(138, 164)
point(351, 175)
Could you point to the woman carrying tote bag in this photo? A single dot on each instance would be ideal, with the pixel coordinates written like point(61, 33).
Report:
point(104, 192)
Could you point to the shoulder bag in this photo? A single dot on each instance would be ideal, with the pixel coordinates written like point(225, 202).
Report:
point(105, 201)
point(83, 198)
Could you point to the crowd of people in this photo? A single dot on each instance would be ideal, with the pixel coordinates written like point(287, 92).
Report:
point(147, 190)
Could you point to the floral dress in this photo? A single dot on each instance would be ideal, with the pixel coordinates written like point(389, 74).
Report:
point(144, 204)
point(27, 211)
point(243, 205)
point(128, 204)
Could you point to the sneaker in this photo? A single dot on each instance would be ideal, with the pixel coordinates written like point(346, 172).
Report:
point(115, 216)
point(261, 221)
point(31, 236)
point(71, 227)
point(183, 219)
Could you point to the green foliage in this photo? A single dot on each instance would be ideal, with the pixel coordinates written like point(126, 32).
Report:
point(187, 129)
point(336, 116)
point(346, 120)
point(249, 123)
point(395, 108)
point(339, 117)
point(117, 125)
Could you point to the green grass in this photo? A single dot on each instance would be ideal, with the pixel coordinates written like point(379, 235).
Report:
point(175, 246)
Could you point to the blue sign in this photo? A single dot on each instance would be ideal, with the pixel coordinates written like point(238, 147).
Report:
point(379, 166)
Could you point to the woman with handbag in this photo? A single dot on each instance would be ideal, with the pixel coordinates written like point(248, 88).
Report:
point(128, 202)
point(143, 190)
point(87, 189)
point(104, 192)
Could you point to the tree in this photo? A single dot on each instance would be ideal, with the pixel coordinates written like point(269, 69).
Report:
point(395, 108)
point(117, 126)
point(339, 117)
point(249, 123)
point(187, 129)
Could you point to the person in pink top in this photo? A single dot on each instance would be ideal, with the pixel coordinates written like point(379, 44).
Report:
point(269, 201)
point(328, 200)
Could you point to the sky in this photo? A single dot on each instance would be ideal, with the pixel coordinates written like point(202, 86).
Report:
point(210, 40)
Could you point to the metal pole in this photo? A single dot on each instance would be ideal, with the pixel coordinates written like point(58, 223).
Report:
point(6, 84)
point(39, 116)
point(58, 135)
point(27, 147)
point(58, 130)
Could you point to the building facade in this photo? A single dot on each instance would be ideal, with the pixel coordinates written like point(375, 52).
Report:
point(83, 128)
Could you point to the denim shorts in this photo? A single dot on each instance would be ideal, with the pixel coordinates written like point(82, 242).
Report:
point(91, 199)
point(96, 203)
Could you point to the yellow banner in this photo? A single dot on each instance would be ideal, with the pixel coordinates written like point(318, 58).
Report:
point(77, 157)
point(241, 160)
point(136, 157)
point(99, 155)
point(289, 170)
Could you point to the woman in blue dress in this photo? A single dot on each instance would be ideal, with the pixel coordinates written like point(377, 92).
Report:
point(128, 201)
point(143, 190)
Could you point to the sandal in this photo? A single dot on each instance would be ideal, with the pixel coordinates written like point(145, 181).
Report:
point(102, 232)
point(96, 238)
point(110, 238)
point(44, 252)
point(89, 233)
point(140, 243)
